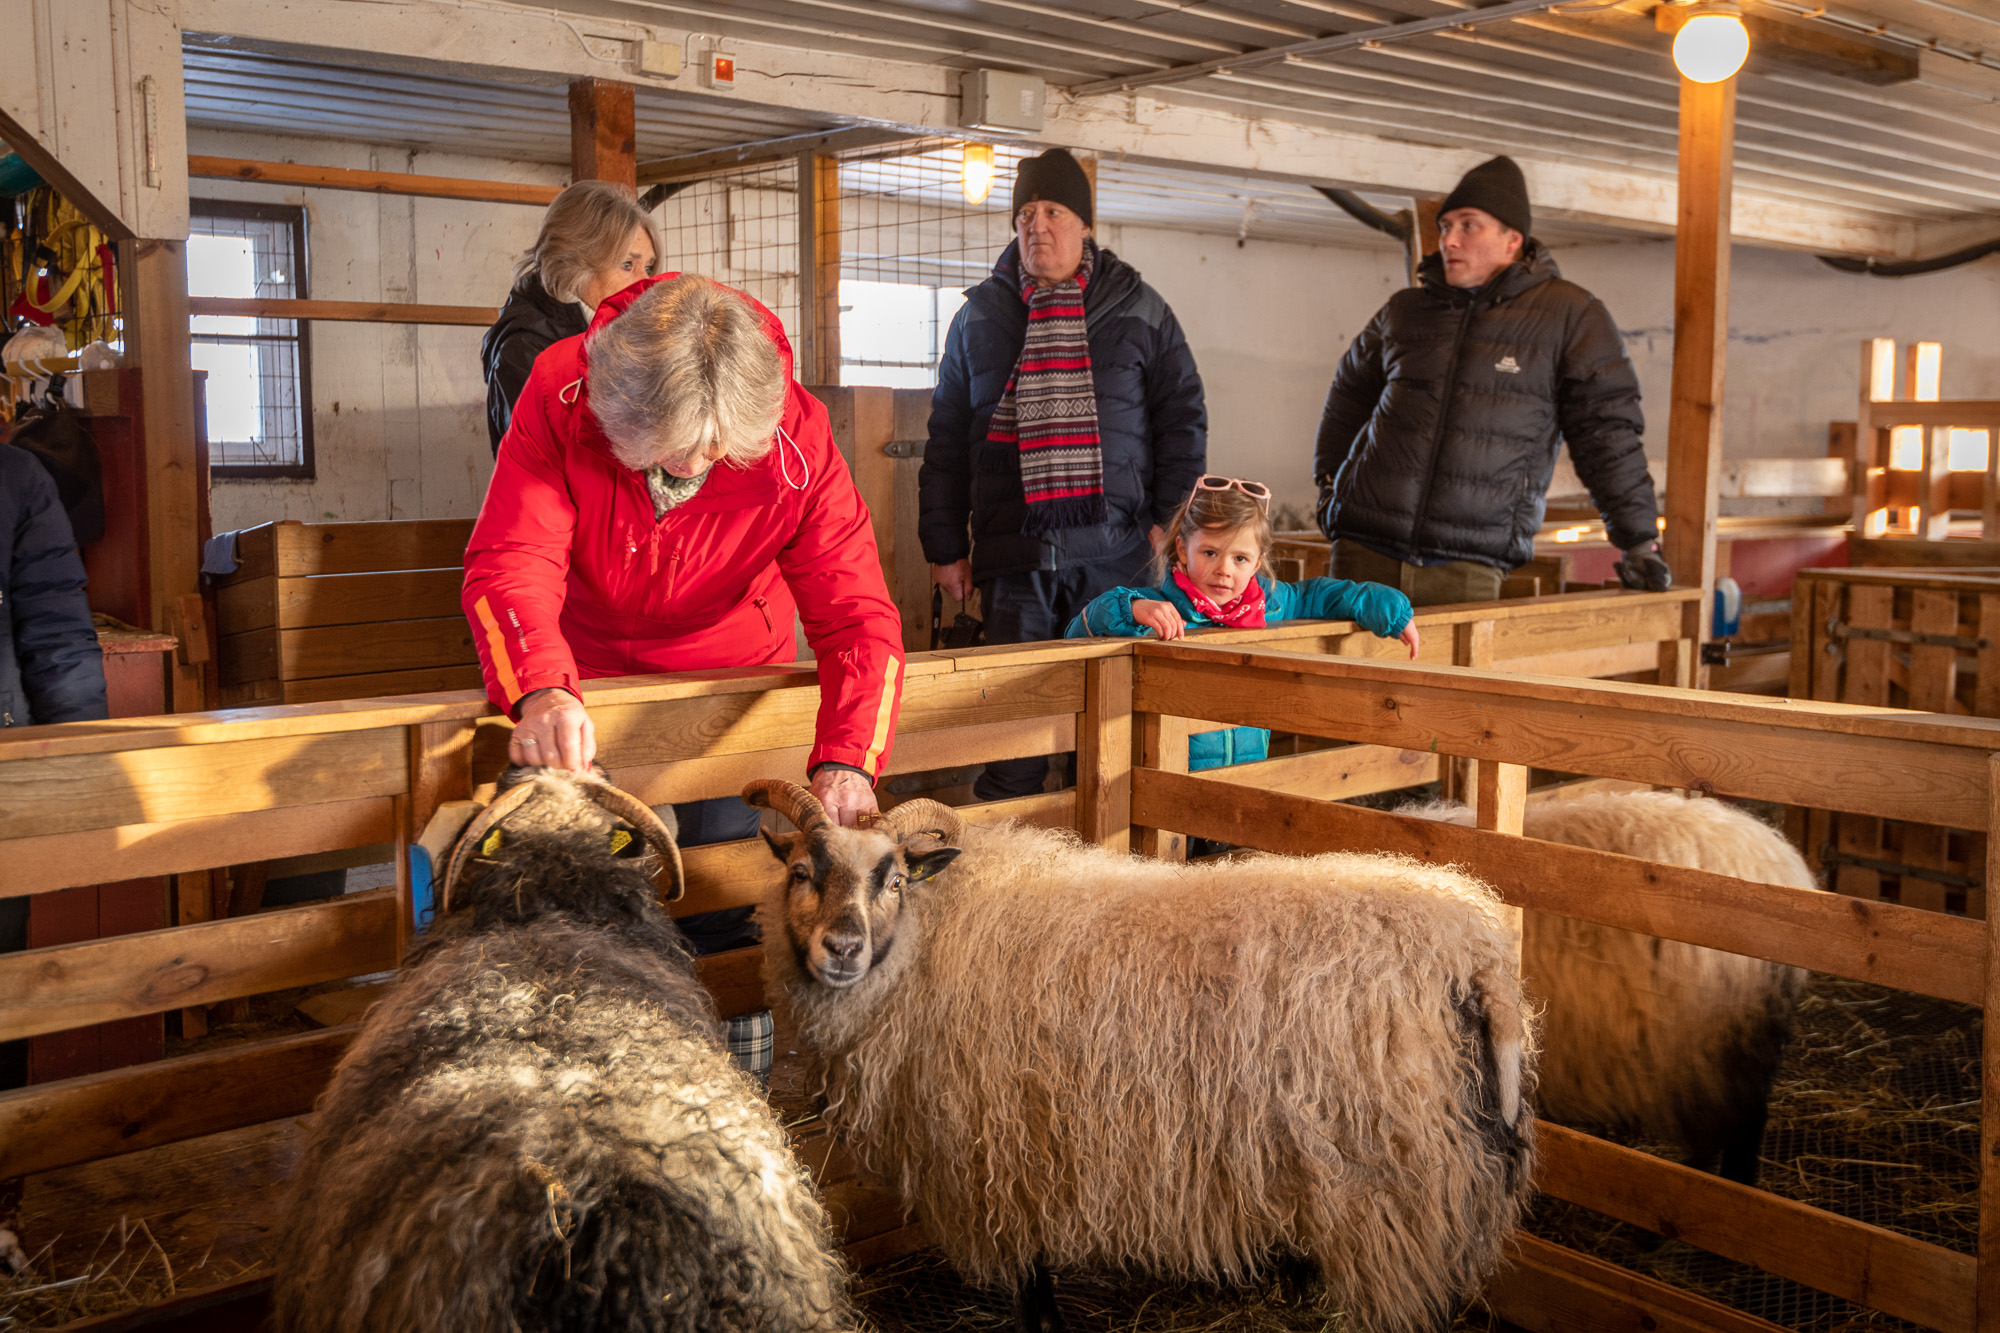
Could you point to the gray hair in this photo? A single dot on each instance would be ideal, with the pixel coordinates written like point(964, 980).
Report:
point(687, 367)
point(587, 230)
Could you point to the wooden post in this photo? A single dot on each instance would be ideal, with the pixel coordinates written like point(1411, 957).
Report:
point(1471, 646)
point(865, 416)
point(1423, 239)
point(1104, 754)
point(1701, 329)
point(1878, 385)
point(819, 266)
point(603, 133)
point(440, 771)
point(1989, 1078)
point(1500, 804)
point(158, 330)
point(1162, 743)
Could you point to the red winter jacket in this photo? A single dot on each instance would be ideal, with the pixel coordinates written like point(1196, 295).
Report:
point(569, 577)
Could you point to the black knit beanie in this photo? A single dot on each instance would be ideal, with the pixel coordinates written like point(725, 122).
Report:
point(1054, 176)
point(1495, 186)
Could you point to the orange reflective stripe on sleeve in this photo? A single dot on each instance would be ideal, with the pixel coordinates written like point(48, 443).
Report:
point(503, 666)
point(885, 713)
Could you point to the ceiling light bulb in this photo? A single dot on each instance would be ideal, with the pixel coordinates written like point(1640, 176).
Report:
point(975, 171)
point(1712, 45)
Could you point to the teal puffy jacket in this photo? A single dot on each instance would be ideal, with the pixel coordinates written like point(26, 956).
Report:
point(1383, 611)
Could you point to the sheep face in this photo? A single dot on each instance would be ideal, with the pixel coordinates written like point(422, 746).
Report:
point(843, 896)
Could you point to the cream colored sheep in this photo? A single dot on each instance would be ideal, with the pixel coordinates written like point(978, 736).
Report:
point(1653, 1037)
point(1066, 1058)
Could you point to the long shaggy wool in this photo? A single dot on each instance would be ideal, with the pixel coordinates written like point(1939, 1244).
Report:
point(539, 1130)
point(1654, 1037)
point(1092, 1060)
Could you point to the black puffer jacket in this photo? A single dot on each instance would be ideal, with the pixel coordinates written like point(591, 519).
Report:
point(1151, 424)
point(51, 669)
point(529, 323)
point(1441, 429)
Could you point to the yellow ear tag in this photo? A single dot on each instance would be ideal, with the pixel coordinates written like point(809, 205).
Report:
point(620, 840)
point(491, 845)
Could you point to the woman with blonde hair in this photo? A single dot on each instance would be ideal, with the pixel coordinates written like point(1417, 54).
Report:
point(595, 240)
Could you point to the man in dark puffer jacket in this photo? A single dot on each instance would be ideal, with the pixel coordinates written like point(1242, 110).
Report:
point(1108, 450)
point(1440, 433)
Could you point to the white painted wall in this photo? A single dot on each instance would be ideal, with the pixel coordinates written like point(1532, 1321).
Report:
point(399, 412)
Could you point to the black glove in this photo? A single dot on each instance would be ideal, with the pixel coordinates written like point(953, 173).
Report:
point(1643, 570)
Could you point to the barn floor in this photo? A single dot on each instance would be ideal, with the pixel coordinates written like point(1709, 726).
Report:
point(1875, 1117)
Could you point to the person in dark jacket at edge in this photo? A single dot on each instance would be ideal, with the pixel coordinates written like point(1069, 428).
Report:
point(51, 669)
point(595, 240)
point(1440, 432)
point(1066, 428)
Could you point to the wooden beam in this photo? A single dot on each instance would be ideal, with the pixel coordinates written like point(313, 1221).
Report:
point(819, 267)
point(603, 133)
point(1882, 943)
point(1549, 1288)
point(764, 152)
point(158, 327)
point(1989, 1109)
point(126, 1110)
point(1898, 1275)
point(1104, 754)
point(1701, 329)
point(100, 981)
point(358, 312)
point(371, 182)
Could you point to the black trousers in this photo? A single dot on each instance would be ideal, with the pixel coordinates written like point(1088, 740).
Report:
point(722, 819)
point(1028, 608)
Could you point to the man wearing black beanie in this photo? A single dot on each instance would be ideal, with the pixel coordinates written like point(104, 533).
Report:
point(1066, 428)
point(1438, 486)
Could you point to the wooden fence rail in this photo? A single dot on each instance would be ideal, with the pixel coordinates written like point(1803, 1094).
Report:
point(183, 795)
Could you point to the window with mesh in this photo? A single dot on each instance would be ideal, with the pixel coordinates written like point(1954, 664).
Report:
point(258, 387)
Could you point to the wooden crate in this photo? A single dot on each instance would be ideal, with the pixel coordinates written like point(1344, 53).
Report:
point(320, 611)
point(1900, 638)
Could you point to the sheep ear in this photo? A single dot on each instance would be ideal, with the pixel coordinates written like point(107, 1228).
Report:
point(929, 864)
point(781, 846)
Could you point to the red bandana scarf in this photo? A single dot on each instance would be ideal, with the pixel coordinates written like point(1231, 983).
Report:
point(1048, 410)
point(1243, 611)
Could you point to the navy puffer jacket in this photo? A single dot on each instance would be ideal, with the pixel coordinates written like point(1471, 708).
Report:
point(1441, 430)
point(1151, 424)
point(51, 669)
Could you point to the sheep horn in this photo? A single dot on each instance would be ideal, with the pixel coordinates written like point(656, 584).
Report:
point(640, 816)
point(475, 833)
point(792, 801)
point(923, 816)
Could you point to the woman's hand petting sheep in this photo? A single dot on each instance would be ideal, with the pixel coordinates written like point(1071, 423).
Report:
point(1160, 617)
point(1409, 639)
point(845, 794)
point(554, 731)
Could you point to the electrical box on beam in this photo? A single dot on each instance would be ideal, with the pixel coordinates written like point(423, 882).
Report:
point(998, 99)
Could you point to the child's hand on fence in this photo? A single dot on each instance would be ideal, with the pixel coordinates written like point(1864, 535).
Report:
point(1409, 638)
point(1160, 617)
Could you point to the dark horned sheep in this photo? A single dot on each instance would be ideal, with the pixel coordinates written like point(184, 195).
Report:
point(539, 1129)
point(1068, 1058)
point(1652, 1037)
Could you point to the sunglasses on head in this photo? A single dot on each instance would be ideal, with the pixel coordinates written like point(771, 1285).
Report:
point(1256, 490)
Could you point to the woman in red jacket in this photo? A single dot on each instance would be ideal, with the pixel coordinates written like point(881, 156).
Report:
point(611, 544)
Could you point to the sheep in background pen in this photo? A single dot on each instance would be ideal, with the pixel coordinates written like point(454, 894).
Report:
point(1652, 1037)
point(1064, 1057)
point(539, 1129)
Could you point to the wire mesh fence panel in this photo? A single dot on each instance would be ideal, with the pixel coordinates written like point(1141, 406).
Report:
point(917, 225)
point(741, 229)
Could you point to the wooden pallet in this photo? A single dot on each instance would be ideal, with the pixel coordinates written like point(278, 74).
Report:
point(1900, 638)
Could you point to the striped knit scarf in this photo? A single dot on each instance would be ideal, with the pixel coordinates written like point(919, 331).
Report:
point(1049, 409)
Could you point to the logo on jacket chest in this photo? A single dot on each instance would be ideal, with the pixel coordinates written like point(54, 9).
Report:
point(1507, 365)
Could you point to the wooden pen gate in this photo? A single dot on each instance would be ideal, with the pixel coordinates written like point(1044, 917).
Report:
point(86, 802)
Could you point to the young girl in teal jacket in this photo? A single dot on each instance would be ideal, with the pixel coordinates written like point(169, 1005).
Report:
point(1216, 575)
